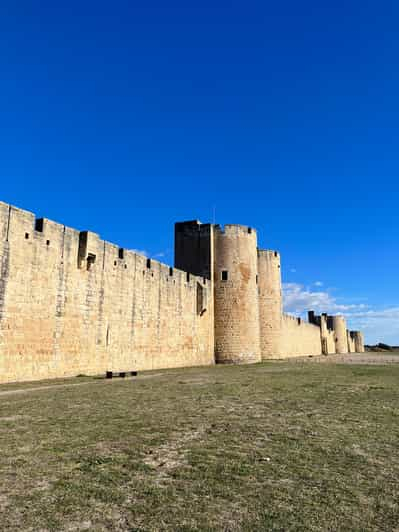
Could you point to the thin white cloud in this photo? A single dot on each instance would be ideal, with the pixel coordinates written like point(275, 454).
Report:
point(298, 299)
point(293, 270)
point(145, 253)
point(378, 325)
point(162, 254)
point(140, 252)
point(318, 283)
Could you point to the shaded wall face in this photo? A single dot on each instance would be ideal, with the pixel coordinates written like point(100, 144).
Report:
point(73, 306)
point(351, 343)
point(194, 248)
point(327, 336)
point(237, 337)
point(270, 303)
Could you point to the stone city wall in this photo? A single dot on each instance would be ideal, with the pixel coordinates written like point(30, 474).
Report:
point(299, 337)
point(71, 303)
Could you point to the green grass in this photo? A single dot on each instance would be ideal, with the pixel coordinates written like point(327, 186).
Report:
point(275, 446)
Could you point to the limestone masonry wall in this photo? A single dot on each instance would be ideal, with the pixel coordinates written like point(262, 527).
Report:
point(299, 337)
point(330, 339)
point(71, 303)
point(351, 343)
point(338, 325)
point(358, 340)
point(270, 303)
point(237, 334)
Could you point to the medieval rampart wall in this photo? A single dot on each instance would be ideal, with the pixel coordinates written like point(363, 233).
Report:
point(71, 303)
point(299, 338)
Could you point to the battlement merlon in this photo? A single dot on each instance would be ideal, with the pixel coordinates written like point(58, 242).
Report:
point(20, 226)
point(235, 230)
point(269, 253)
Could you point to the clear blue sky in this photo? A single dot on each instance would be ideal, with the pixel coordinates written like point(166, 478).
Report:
point(122, 117)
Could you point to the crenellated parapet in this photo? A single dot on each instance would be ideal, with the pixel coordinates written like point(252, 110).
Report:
point(72, 303)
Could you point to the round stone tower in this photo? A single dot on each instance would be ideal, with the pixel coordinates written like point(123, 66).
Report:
point(237, 338)
point(270, 303)
point(359, 341)
point(338, 325)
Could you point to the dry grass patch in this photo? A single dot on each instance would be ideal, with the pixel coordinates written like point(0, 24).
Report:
point(265, 447)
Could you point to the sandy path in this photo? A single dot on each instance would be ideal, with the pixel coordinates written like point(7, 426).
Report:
point(71, 384)
point(352, 358)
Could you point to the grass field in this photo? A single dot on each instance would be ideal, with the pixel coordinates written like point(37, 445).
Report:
point(275, 446)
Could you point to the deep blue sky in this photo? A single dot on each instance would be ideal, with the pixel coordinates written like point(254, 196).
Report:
point(122, 117)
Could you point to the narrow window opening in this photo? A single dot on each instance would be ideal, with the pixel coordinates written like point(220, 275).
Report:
point(225, 275)
point(256, 278)
point(91, 259)
point(47, 242)
point(39, 223)
point(26, 236)
point(275, 254)
point(249, 230)
point(148, 263)
point(125, 266)
point(121, 253)
point(171, 272)
point(299, 321)
point(201, 306)
point(115, 262)
point(188, 277)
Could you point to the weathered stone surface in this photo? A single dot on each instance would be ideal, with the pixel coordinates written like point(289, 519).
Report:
point(74, 305)
point(71, 303)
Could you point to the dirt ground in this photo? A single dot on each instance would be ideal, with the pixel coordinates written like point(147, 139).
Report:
point(353, 358)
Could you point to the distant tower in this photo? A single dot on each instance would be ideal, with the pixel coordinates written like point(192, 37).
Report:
point(237, 336)
point(270, 303)
point(359, 341)
point(338, 325)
